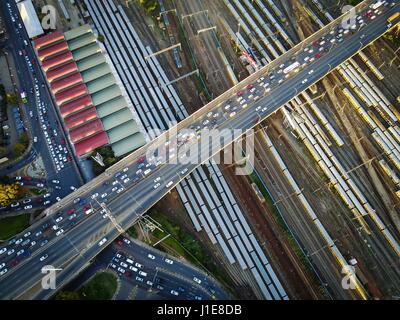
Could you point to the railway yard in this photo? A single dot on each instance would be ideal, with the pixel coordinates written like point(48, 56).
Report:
point(328, 174)
point(323, 194)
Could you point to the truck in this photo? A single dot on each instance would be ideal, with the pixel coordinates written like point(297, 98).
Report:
point(291, 67)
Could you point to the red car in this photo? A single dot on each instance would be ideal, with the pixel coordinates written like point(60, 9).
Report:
point(315, 43)
point(27, 178)
point(87, 206)
point(13, 263)
point(317, 56)
point(141, 159)
point(239, 93)
point(62, 141)
point(249, 86)
point(128, 274)
point(70, 211)
point(119, 242)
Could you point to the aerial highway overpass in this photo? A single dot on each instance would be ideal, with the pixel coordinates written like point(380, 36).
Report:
point(113, 201)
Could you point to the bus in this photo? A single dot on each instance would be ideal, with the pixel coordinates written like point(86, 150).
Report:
point(23, 97)
point(291, 67)
point(392, 18)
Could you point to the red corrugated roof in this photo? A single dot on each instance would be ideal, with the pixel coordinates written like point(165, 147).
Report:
point(62, 71)
point(48, 39)
point(85, 146)
point(65, 83)
point(52, 50)
point(70, 94)
point(57, 61)
point(85, 131)
point(76, 105)
point(80, 118)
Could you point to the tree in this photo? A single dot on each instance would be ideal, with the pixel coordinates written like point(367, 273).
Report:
point(24, 140)
point(149, 5)
point(12, 99)
point(8, 193)
point(19, 149)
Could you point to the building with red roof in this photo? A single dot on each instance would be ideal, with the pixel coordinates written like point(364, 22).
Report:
point(61, 72)
point(78, 119)
point(71, 94)
point(85, 146)
point(76, 106)
point(87, 130)
point(66, 83)
point(53, 50)
point(56, 61)
point(48, 39)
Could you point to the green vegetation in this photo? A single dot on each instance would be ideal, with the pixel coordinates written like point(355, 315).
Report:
point(108, 158)
point(132, 232)
point(11, 226)
point(21, 145)
point(101, 287)
point(150, 6)
point(8, 193)
point(12, 99)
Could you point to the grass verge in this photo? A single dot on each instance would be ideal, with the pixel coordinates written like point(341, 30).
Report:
point(11, 226)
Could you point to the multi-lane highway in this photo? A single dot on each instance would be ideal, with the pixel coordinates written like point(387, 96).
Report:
point(134, 196)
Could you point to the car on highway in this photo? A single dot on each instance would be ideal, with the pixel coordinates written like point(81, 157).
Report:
point(3, 250)
point(10, 252)
point(95, 195)
point(156, 185)
point(169, 261)
point(46, 195)
point(102, 241)
point(4, 271)
point(70, 211)
point(150, 256)
point(173, 292)
point(169, 184)
point(59, 232)
point(157, 179)
point(58, 199)
point(196, 280)
point(44, 257)
point(59, 219)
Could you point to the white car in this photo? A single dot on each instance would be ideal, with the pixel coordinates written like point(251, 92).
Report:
point(46, 202)
point(13, 205)
point(127, 241)
point(46, 195)
point(184, 171)
point(95, 195)
point(174, 292)
point(304, 81)
point(59, 219)
point(127, 180)
point(10, 252)
point(150, 256)
point(121, 270)
point(102, 241)
point(142, 273)
point(133, 268)
point(138, 265)
point(156, 185)
point(104, 195)
point(3, 271)
point(20, 252)
point(139, 279)
point(196, 280)
point(123, 264)
point(311, 71)
point(34, 139)
point(42, 258)
point(114, 182)
point(120, 190)
point(157, 179)
point(3, 250)
point(125, 169)
point(169, 184)
point(27, 234)
point(28, 207)
point(59, 232)
point(2, 265)
point(169, 261)
point(58, 199)
point(114, 189)
point(55, 181)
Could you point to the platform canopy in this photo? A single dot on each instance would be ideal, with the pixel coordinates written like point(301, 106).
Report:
point(30, 18)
